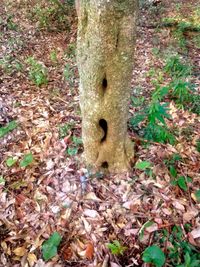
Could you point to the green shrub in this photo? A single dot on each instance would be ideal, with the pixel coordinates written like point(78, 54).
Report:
point(176, 68)
point(37, 72)
point(182, 91)
point(154, 115)
point(182, 253)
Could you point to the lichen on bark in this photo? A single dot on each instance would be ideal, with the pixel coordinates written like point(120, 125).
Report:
point(105, 48)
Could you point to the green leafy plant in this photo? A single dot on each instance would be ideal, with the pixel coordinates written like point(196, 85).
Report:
point(182, 253)
point(198, 145)
point(176, 68)
point(159, 133)
point(182, 182)
point(18, 184)
point(116, 248)
point(182, 91)
point(156, 128)
point(171, 163)
point(11, 25)
point(27, 160)
point(71, 50)
point(197, 195)
point(64, 129)
point(196, 40)
point(37, 72)
point(137, 101)
point(69, 74)
point(179, 36)
point(194, 103)
point(173, 159)
point(10, 64)
point(2, 181)
point(6, 129)
point(50, 246)
point(54, 56)
point(144, 226)
point(154, 255)
point(77, 140)
point(53, 15)
point(11, 161)
point(142, 165)
point(155, 115)
point(72, 150)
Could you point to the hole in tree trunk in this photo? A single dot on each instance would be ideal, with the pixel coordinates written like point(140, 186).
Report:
point(117, 40)
point(104, 126)
point(104, 84)
point(104, 165)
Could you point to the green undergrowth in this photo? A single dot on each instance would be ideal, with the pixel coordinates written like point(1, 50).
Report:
point(53, 15)
point(150, 120)
point(8, 128)
point(182, 24)
point(8, 22)
point(10, 64)
point(38, 73)
point(178, 253)
point(73, 142)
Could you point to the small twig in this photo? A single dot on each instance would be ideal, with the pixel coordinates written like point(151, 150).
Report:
point(59, 98)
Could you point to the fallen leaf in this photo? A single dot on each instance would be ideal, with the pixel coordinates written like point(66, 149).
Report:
point(87, 226)
point(190, 214)
point(178, 205)
point(20, 198)
point(92, 196)
point(67, 253)
point(20, 251)
point(89, 253)
point(166, 211)
point(32, 259)
point(195, 233)
point(152, 228)
point(90, 213)
point(112, 264)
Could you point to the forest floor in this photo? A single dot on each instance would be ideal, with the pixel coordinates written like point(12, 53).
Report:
point(44, 187)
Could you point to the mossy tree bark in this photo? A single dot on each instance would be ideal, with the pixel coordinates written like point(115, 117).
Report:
point(105, 47)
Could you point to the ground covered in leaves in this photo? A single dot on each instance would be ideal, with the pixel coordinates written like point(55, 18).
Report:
point(53, 211)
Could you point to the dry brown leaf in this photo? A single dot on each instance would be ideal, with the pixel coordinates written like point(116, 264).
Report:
point(178, 205)
point(193, 196)
point(89, 253)
point(113, 264)
point(20, 251)
point(32, 259)
point(190, 214)
point(20, 198)
point(152, 228)
point(92, 196)
point(195, 233)
point(4, 246)
point(67, 253)
point(91, 213)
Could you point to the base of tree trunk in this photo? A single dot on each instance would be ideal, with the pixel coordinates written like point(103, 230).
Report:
point(105, 48)
point(111, 159)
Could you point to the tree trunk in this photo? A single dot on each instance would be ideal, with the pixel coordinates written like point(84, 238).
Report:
point(105, 47)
